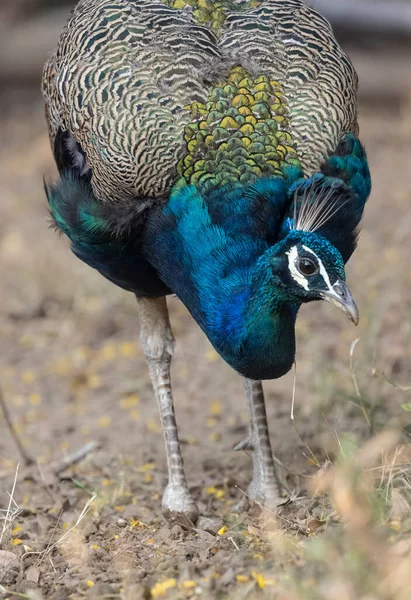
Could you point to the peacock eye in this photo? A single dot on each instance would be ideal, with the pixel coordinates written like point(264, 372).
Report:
point(307, 267)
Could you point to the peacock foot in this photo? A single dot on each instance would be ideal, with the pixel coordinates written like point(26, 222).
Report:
point(178, 505)
point(266, 495)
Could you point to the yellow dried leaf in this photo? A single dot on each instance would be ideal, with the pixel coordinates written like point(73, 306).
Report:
point(160, 589)
point(215, 407)
point(396, 525)
point(93, 381)
point(108, 352)
point(90, 583)
point(188, 584)
point(120, 508)
point(127, 349)
point(35, 399)
point(27, 377)
point(130, 401)
point(222, 531)
point(17, 542)
point(242, 578)
point(82, 353)
point(135, 523)
point(261, 580)
point(146, 467)
point(16, 529)
point(153, 426)
point(104, 421)
point(212, 356)
point(218, 494)
point(61, 367)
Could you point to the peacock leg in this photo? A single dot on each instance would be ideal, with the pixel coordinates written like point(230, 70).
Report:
point(158, 345)
point(264, 486)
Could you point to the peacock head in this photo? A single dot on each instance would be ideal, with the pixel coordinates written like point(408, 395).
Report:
point(307, 267)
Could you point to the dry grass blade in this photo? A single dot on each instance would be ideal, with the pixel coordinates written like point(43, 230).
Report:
point(77, 523)
point(12, 511)
point(80, 518)
point(7, 593)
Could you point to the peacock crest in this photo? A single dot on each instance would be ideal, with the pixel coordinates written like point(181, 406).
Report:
point(311, 211)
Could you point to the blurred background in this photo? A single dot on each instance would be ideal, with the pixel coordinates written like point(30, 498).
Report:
point(71, 367)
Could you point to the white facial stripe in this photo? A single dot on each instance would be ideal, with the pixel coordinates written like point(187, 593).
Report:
point(323, 272)
point(295, 273)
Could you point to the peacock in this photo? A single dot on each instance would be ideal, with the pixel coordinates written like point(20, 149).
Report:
point(209, 150)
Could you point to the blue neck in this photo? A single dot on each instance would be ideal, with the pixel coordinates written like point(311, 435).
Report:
point(225, 280)
point(252, 325)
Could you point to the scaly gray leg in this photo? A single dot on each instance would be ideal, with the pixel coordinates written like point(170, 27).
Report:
point(158, 345)
point(264, 485)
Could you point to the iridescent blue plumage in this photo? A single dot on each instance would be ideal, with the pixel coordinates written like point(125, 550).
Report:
point(223, 252)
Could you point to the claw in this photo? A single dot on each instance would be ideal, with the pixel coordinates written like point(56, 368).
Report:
point(244, 445)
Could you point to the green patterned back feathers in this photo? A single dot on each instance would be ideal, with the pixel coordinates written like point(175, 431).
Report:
point(211, 14)
point(241, 134)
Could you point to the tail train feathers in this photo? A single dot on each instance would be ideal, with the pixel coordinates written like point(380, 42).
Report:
point(106, 236)
point(83, 218)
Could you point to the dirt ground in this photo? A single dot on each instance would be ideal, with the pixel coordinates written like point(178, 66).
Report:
point(72, 372)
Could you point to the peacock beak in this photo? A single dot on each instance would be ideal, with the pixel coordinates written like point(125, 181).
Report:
point(340, 296)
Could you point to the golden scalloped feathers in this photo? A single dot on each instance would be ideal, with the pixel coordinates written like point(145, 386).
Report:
point(241, 134)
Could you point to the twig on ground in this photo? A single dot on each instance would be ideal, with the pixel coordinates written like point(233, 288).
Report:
point(4, 408)
point(234, 543)
point(75, 457)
